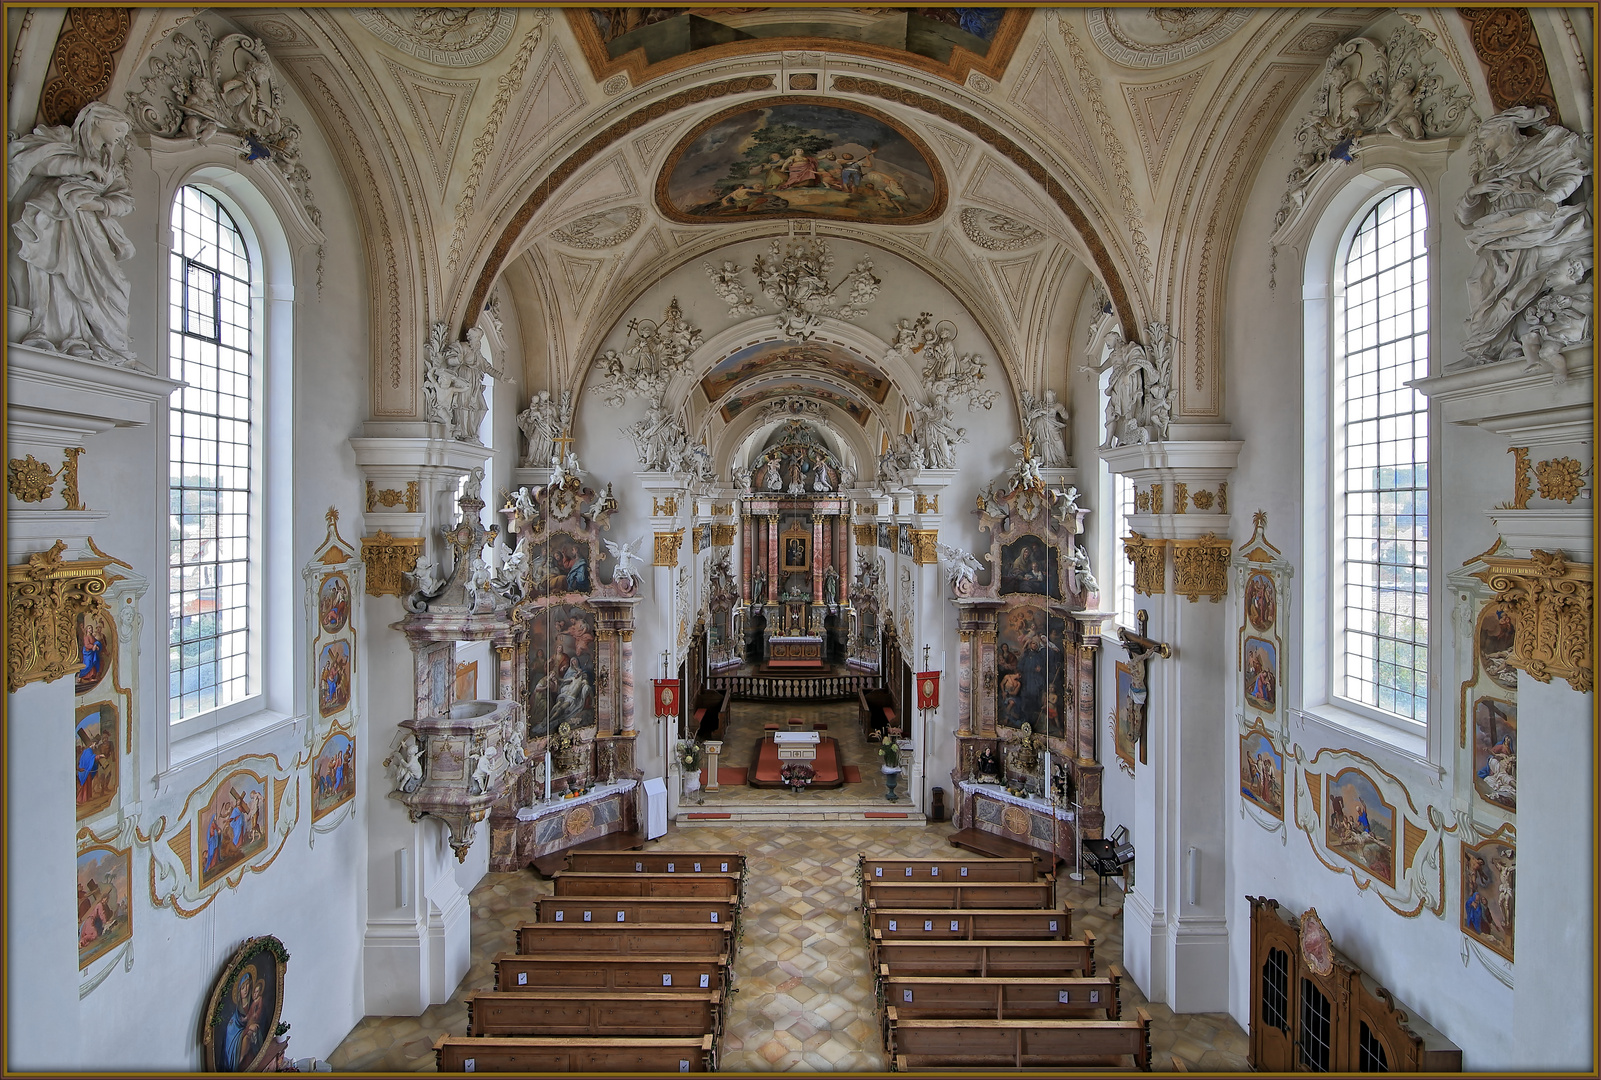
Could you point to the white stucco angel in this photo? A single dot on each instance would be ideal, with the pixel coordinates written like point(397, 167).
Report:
point(407, 764)
point(483, 769)
point(627, 556)
point(740, 476)
point(69, 185)
point(961, 567)
point(522, 501)
point(563, 469)
point(425, 576)
point(1081, 579)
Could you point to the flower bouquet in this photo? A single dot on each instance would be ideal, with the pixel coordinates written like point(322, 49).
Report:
point(797, 775)
point(890, 751)
point(690, 756)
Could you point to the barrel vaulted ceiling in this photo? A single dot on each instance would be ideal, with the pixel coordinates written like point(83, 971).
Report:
point(1087, 153)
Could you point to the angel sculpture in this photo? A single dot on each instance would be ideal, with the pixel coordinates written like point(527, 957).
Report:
point(483, 768)
point(408, 766)
point(507, 582)
point(961, 567)
point(627, 557)
point(563, 469)
point(522, 501)
point(480, 587)
point(741, 477)
point(1079, 561)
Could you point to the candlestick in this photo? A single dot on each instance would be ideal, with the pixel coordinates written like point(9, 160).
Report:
point(549, 784)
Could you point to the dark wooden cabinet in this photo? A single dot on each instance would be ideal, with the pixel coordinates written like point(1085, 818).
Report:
point(1340, 1022)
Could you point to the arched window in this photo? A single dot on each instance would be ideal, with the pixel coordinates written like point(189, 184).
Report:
point(214, 579)
point(1379, 439)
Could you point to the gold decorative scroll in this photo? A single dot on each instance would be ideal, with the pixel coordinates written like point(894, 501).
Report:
point(722, 509)
point(722, 536)
point(923, 546)
point(1150, 563)
point(1223, 497)
point(1201, 567)
point(667, 545)
point(866, 535)
point(1552, 604)
point(1142, 501)
point(667, 507)
point(867, 509)
point(387, 559)
point(1521, 488)
point(1156, 499)
point(927, 505)
point(1181, 498)
point(388, 497)
point(44, 597)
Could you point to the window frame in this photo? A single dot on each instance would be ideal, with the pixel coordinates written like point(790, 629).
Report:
point(1324, 234)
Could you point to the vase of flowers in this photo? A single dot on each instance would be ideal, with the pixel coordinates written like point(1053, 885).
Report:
point(890, 751)
point(797, 775)
point(690, 756)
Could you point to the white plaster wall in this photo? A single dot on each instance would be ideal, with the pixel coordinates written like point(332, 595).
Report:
point(1547, 1022)
point(311, 898)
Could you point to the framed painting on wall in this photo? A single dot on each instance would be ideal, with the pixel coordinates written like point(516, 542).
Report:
point(1488, 881)
point(797, 549)
point(232, 826)
point(1495, 752)
point(1262, 772)
point(97, 641)
point(96, 763)
point(1359, 825)
point(105, 899)
point(1261, 674)
point(333, 775)
point(242, 1013)
point(1128, 718)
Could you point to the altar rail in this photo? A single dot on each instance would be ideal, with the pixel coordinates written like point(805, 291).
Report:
point(790, 687)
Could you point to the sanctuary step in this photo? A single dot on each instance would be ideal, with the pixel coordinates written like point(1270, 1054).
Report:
point(791, 810)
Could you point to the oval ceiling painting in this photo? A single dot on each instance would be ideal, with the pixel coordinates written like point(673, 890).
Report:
point(792, 157)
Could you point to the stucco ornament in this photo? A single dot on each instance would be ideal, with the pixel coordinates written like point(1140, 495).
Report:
point(1528, 219)
point(1370, 89)
point(542, 423)
point(654, 354)
point(795, 280)
point(961, 567)
point(69, 185)
point(453, 381)
point(659, 438)
point(223, 87)
point(628, 556)
point(947, 375)
point(1140, 391)
point(936, 432)
point(1045, 419)
point(903, 460)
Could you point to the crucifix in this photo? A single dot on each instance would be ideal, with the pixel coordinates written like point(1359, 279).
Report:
point(1140, 649)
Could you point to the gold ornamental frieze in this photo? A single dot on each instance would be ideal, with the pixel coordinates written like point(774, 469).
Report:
point(1149, 557)
point(389, 559)
point(924, 546)
point(44, 597)
point(667, 545)
point(1552, 604)
point(1201, 567)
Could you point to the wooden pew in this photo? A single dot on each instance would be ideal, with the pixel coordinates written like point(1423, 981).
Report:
point(986, 959)
point(646, 939)
point(612, 910)
point(886, 870)
point(928, 997)
point(969, 924)
point(1100, 1044)
point(652, 886)
point(457, 1053)
point(657, 862)
point(515, 972)
point(540, 1013)
point(953, 894)
point(711, 710)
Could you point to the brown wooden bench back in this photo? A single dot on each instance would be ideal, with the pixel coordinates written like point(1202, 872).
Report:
point(560, 1054)
point(1114, 1044)
point(981, 894)
point(939, 924)
point(613, 910)
point(984, 959)
point(656, 862)
point(515, 972)
point(648, 886)
point(651, 1014)
point(929, 997)
point(647, 939)
point(949, 870)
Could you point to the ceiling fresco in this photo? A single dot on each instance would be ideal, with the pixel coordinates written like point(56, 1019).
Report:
point(768, 357)
point(832, 395)
point(798, 158)
point(647, 42)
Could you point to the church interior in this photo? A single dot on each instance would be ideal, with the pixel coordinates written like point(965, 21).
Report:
point(781, 538)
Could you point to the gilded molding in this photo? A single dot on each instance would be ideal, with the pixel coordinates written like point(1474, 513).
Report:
point(1181, 498)
point(1150, 563)
point(1522, 489)
point(30, 480)
point(1142, 501)
point(1156, 499)
point(667, 507)
point(866, 535)
point(723, 535)
point(924, 542)
point(1559, 478)
point(1552, 605)
point(391, 497)
point(667, 545)
point(1201, 566)
point(85, 60)
point(722, 509)
point(867, 509)
point(387, 559)
point(1514, 64)
point(927, 505)
point(1202, 499)
point(1223, 497)
point(44, 597)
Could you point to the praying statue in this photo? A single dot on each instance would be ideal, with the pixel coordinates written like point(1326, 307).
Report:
point(68, 186)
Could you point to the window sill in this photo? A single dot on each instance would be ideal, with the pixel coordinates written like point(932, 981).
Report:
point(1376, 735)
point(226, 737)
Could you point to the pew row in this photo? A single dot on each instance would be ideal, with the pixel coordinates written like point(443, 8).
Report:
point(457, 1053)
point(980, 894)
point(656, 862)
point(986, 959)
point(610, 939)
point(938, 924)
point(649, 886)
point(930, 997)
point(542, 1013)
point(967, 1044)
point(1028, 869)
point(515, 972)
point(612, 910)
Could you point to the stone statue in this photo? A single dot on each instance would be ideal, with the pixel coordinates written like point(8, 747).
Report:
point(408, 765)
point(1080, 577)
point(541, 426)
point(989, 763)
point(1527, 221)
point(695, 461)
point(1044, 418)
point(740, 476)
point(69, 185)
point(847, 477)
point(658, 438)
point(822, 477)
point(831, 587)
point(961, 567)
point(771, 478)
point(453, 381)
point(627, 558)
point(758, 587)
point(1139, 392)
point(903, 459)
point(483, 768)
point(936, 433)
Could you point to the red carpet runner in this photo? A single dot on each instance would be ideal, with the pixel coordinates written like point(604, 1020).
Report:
point(767, 765)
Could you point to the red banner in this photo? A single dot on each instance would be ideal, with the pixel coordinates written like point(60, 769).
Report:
point(666, 697)
point(928, 689)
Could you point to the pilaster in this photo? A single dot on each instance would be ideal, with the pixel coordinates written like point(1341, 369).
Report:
point(412, 471)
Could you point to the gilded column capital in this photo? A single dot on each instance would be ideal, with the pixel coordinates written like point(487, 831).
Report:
point(1552, 605)
point(388, 560)
point(667, 545)
point(1200, 567)
point(44, 597)
point(1149, 556)
point(924, 543)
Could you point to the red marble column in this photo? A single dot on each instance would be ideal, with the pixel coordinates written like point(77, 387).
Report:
point(772, 556)
point(744, 556)
point(817, 558)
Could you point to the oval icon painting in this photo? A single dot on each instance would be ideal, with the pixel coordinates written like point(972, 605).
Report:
point(794, 157)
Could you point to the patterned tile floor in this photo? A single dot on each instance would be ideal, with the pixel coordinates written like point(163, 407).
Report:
point(803, 991)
